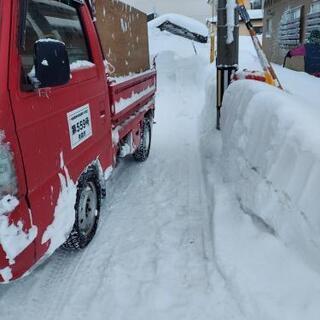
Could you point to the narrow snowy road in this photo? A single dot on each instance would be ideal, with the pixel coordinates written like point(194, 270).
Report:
point(152, 256)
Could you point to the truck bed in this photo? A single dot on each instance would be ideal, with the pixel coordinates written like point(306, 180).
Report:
point(129, 94)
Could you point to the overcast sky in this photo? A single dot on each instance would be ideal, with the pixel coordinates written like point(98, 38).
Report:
point(198, 9)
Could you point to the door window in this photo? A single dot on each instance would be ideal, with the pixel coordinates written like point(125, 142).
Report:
point(58, 20)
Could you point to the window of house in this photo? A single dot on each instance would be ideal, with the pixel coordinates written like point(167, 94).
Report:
point(58, 20)
point(313, 18)
point(256, 4)
point(258, 29)
point(315, 7)
point(290, 29)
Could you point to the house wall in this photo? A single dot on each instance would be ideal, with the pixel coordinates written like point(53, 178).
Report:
point(243, 31)
point(274, 46)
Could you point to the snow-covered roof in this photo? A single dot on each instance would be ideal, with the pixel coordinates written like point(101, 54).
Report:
point(182, 21)
point(254, 15)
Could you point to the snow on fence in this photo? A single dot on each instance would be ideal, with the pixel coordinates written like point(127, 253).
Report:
point(271, 149)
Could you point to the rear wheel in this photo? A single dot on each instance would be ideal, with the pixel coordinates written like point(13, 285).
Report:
point(143, 150)
point(87, 211)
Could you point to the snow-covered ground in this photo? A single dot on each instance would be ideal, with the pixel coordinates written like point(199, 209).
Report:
point(179, 237)
point(263, 171)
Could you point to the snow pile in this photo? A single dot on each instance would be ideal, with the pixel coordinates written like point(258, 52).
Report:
point(230, 6)
point(248, 58)
point(6, 274)
point(255, 248)
point(64, 214)
point(272, 156)
point(108, 173)
point(182, 21)
point(165, 44)
point(13, 238)
point(304, 86)
point(8, 204)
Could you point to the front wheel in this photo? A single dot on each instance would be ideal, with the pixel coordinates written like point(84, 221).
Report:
point(87, 209)
point(143, 150)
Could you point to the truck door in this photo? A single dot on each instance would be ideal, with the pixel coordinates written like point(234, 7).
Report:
point(50, 138)
point(17, 233)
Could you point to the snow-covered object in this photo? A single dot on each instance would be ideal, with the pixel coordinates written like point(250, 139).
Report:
point(272, 155)
point(13, 238)
point(169, 44)
point(8, 183)
point(8, 204)
point(64, 214)
point(182, 21)
point(116, 130)
point(125, 103)
point(267, 277)
point(249, 75)
point(130, 76)
point(230, 6)
point(115, 135)
point(108, 173)
point(127, 147)
point(81, 64)
point(304, 86)
point(50, 40)
point(6, 274)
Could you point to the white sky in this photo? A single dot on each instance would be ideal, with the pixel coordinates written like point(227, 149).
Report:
point(198, 9)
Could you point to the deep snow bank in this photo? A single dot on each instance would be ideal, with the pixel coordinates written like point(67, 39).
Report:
point(266, 277)
point(271, 151)
point(302, 85)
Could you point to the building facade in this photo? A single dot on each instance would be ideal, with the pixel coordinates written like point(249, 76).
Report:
point(287, 24)
point(255, 11)
point(254, 8)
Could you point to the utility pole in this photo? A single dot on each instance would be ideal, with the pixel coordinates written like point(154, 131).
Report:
point(227, 51)
point(212, 31)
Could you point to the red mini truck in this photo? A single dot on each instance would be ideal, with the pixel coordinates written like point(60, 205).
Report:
point(63, 124)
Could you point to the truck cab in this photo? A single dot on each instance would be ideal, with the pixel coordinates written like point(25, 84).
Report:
point(60, 132)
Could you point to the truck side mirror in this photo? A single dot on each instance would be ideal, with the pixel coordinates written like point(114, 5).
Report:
point(51, 63)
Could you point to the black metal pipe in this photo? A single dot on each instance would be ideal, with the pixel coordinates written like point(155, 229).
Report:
point(227, 53)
